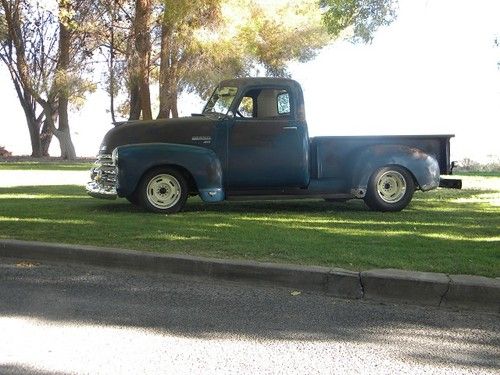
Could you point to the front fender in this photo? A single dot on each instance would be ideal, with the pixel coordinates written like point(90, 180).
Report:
point(424, 167)
point(203, 164)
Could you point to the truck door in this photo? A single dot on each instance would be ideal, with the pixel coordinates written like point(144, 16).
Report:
point(267, 147)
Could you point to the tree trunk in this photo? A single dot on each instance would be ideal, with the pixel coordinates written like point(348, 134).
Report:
point(112, 64)
point(168, 97)
point(164, 94)
point(175, 112)
point(45, 138)
point(143, 12)
point(135, 104)
point(144, 95)
point(62, 133)
point(27, 103)
point(168, 77)
point(31, 120)
point(36, 147)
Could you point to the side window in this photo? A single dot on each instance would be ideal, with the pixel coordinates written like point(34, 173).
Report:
point(283, 100)
point(245, 109)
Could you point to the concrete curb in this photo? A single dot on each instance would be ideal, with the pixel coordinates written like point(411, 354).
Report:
point(421, 288)
point(424, 288)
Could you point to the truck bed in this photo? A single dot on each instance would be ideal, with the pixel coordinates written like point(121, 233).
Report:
point(332, 156)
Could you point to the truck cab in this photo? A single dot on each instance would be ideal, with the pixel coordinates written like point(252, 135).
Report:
point(267, 140)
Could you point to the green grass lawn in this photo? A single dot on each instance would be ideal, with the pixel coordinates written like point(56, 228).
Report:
point(46, 166)
point(474, 173)
point(442, 231)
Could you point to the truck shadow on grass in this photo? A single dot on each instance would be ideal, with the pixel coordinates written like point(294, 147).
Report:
point(279, 206)
point(430, 200)
point(195, 205)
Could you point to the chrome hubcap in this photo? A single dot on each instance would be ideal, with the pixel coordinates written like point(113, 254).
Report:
point(391, 186)
point(163, 191)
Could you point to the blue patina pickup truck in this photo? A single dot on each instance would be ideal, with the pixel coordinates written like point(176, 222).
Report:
point(251, 140)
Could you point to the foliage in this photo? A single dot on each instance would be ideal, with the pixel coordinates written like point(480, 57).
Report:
point(196, 45)
point(278, 34)
point(39, 32)
point(184, 45)
point(4, 32)
point(251, 38)
point(358, 18)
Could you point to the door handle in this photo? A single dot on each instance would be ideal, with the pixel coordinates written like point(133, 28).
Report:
point(289, 128)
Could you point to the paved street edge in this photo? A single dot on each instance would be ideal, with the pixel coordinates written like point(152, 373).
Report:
point(383, 285)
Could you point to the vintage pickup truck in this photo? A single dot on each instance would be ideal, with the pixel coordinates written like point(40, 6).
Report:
point(251, 140)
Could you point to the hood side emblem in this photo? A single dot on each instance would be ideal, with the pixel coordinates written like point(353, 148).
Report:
point(202, 138)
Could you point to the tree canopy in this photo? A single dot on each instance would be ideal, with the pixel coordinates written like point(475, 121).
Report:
point(46, 49)
point(180, 45)
point(195, 44)
point(359, 19)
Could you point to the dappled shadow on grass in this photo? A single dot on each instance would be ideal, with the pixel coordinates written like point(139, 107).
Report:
point(203, 308)
point(435, 233)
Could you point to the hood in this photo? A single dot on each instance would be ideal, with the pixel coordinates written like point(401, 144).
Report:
point(178, 130)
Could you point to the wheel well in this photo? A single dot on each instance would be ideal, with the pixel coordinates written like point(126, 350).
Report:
point(192, 187)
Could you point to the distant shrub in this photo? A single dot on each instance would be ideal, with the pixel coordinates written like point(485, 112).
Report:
point(4, 152)
point(469, 165)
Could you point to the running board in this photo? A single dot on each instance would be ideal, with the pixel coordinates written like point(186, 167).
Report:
point(248, 196)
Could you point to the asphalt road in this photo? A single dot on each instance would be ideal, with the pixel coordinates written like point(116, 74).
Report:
point(69, 319)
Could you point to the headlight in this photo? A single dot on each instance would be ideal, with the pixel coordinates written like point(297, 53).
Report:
point(114, 156)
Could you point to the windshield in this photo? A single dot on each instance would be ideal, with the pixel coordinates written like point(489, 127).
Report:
point(221, 100)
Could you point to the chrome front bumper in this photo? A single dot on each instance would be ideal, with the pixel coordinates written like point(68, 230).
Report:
point(103, 178)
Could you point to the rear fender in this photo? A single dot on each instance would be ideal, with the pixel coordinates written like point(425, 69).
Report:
point(423, 167)
point(203, 164)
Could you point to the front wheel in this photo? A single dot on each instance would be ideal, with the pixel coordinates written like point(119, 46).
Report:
point(163, 190)
point(390, 188)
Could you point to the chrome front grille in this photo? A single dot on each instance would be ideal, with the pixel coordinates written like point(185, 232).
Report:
point(103, 178)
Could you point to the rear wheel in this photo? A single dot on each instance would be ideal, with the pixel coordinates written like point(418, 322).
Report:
point(163, 190)
point(390, 188)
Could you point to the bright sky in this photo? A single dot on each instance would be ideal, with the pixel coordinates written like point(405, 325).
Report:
point(434, 70)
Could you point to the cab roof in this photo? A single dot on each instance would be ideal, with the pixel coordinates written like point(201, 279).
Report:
point(259, 81)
